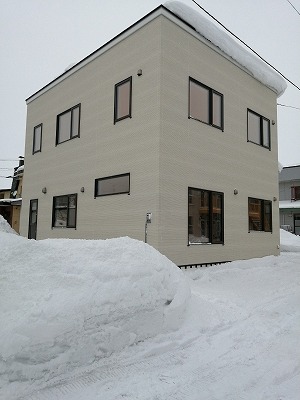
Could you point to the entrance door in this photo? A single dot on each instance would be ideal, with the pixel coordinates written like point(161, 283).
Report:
point(33, 212)
point(297, 224)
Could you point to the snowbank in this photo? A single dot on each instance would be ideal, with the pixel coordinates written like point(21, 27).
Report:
point(257, 68)
point(67, 303)
point(5, 227)
point(289, 242)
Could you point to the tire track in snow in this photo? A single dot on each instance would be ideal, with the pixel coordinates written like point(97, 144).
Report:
point(62, 387)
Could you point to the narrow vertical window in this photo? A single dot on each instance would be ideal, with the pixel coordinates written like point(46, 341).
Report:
point(33, 212)
point(68, 124)
point(37, 139)
point(205, 104)
point(123, 100)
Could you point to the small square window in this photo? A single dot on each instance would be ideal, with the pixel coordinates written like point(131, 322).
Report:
point(64, 211)
point(123, 100)
point(37, 139)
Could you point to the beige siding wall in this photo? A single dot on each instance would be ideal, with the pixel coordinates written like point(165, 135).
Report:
point(103, 149)
point(197, 155)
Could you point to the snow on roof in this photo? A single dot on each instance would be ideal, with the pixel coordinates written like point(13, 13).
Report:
point(256, 67)
point(286, 204)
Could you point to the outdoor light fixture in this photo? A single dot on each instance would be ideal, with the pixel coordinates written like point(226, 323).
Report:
point(82, 189)
point(235, 191)
point(44, 190)
point(274, 198)
point(140, 72)
point(273, 122)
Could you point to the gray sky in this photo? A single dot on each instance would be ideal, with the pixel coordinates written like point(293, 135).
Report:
point(40, 38)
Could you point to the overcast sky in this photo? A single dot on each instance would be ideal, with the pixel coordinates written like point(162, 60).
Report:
point(40, 38)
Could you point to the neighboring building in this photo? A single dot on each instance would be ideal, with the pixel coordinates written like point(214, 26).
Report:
point(289, 196)
point(11, 199)
point(158, 122)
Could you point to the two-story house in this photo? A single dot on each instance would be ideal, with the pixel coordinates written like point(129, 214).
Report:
point(167, 133)
point(289, 196)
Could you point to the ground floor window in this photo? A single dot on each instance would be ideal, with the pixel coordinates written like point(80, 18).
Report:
point(33, 212)
point(260, 215)
point(206, 216)
point(64, 211)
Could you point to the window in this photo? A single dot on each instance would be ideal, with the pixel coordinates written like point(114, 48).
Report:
point(295, 193)
point(37, 139)
point(116, 184)
point(123, 100)
point(33, 213)
point(64, 211)
point(258, 129)
point(67, 126)
point(206, 215)
point(260, 215)
point(205, 104)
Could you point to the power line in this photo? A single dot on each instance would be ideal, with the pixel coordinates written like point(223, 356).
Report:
point(284, 105)
point(293, 7)
point(245, 44)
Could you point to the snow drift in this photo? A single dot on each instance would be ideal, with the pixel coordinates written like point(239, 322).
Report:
point(68, 303)
point(289, 242)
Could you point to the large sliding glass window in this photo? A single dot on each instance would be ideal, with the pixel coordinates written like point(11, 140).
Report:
point(258, 129)
point(64, 211)
point(206, 216)
point(260, 215)
point(68, 123)
point(205, 104)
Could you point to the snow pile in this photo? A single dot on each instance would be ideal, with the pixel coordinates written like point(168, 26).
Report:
point(289, 242)
point(255, 66)
point(5, 227)
point(68, 303)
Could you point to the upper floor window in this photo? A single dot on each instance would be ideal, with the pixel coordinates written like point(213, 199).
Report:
point(206, 215)
point(258, 129)
point(205, 104)
point(64, 211)
point(260, 215)
point(116, 184)
point(37, 139)
point(295, 192)
point(67, 126)
point(123, 100)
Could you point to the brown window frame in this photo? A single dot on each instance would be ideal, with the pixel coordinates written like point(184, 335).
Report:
point(116, 100)
point(261, 221)
point(191, 218)
point(54, 208)
point(262, 119)
point(71, 136)
point(210, 105)
point(40, 126)
point(96, 192)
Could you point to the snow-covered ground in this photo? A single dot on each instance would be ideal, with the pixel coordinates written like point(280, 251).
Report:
point(115, 319)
